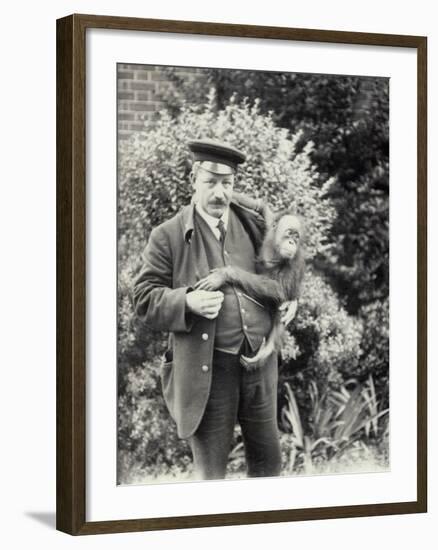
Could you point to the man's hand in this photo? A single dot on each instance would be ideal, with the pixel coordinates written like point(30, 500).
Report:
point(213, 281)
point(288, 310)
point(204, 303)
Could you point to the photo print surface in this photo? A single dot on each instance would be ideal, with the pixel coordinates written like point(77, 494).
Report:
point(253, 274)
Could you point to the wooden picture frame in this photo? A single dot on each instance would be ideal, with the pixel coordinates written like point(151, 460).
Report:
point(71, 273)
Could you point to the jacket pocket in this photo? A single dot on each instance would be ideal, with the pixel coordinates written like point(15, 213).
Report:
point(166, 377)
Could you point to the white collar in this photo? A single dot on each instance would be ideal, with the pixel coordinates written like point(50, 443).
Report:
point(211, 220)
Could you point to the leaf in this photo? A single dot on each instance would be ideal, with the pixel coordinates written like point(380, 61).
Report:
point(293, 415)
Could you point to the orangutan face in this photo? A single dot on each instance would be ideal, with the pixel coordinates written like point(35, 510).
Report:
point(287, 236)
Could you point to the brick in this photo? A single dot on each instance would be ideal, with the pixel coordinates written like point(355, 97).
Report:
point(126, 116)
point(143, 86)
point(144, 96)
point(137, 126)
point(141, 106)
point(143, 75)
point(130, 66)
point(126, 75)
point(125, 95)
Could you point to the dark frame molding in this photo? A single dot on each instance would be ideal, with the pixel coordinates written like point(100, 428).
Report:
point(71, 299)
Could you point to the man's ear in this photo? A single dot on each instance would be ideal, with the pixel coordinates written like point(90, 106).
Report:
point(192, 178)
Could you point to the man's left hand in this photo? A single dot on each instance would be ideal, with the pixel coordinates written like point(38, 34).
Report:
point(288, 310)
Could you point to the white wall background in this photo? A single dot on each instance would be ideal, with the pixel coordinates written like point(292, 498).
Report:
point(27, 289)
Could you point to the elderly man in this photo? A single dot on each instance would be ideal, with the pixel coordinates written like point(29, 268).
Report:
point(205, 387)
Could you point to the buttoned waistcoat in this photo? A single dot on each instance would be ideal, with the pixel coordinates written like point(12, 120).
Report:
point(174, 260)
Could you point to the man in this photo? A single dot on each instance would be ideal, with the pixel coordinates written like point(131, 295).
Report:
point(205, 387)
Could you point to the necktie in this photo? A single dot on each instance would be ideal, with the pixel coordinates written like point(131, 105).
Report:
point(221, 227)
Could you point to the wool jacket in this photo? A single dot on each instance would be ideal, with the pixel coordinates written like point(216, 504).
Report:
point(175, 259)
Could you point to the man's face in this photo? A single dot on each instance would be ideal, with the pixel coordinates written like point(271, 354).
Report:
point(213, 191)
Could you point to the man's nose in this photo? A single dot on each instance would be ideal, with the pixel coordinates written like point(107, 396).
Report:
point(219, 191)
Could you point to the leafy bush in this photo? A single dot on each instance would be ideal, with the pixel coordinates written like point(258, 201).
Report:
point(146, 431)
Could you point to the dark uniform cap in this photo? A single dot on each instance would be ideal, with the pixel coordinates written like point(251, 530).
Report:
point(216, 156)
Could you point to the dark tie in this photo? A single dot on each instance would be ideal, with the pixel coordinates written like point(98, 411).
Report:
point(221, 227)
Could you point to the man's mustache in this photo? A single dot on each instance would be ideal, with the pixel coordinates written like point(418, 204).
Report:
point(218, 203)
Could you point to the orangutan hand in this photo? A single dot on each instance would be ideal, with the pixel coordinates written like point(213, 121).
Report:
point(214, 280)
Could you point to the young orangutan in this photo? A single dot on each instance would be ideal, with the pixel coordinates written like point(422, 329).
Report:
point(280, 270)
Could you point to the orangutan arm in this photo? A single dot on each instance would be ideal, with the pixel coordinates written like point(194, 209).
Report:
point(260, 287)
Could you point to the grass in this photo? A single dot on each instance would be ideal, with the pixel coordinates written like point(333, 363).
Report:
point(358, 459)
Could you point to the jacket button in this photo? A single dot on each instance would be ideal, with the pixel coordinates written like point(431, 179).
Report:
point(204, 336)
point(205, 368)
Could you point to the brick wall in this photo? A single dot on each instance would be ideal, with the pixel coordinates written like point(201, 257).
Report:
point(139, 94)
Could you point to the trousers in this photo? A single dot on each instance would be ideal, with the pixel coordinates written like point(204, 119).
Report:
point(246, 396)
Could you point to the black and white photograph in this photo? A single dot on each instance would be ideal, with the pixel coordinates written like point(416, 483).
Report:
point(253, 274)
